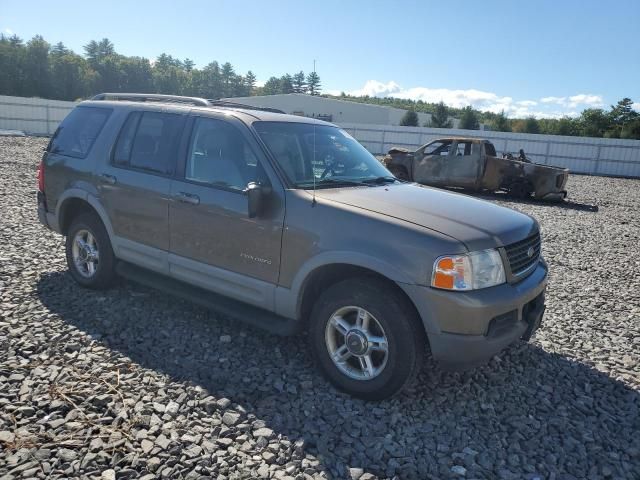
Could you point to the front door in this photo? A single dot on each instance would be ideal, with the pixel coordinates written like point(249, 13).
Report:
point(430, 165)
point(213, 242)
point(452, 163)
point(135, 186)
point(463, 164)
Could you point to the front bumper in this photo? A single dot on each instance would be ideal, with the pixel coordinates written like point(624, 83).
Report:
point(468, 328)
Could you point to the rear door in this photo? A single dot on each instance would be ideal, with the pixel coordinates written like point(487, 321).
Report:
point(135, 186)
point(213, 242)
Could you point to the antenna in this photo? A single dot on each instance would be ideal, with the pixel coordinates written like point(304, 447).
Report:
point(313, 161)
point(313, 172)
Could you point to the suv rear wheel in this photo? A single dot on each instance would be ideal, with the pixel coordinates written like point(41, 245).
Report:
point(89, 254)
point(366, 339)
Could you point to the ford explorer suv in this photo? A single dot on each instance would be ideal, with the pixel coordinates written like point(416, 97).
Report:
point(289, 223)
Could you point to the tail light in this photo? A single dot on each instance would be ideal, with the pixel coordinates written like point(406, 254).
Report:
point(40, 176)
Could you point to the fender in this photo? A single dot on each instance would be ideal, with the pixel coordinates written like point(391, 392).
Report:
point(288, 300)
point(92, 200)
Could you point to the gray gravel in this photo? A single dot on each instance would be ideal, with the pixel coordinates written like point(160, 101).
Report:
point(130, 383)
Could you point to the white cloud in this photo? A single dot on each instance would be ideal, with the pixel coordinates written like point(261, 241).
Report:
point(373, 88)
point(546, 107)
point(556, 100)
point(583, 100)
point(7, 31)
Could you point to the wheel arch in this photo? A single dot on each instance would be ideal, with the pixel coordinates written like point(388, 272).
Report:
point(76, 202)
point(323, 276)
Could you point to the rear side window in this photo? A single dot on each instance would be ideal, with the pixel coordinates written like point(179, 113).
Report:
point(78, 131)
point(463, 148)
point(149, 141)
point(125, 140)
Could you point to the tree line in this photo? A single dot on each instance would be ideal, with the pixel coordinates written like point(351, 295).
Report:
point(39, 69)
point(618, 121)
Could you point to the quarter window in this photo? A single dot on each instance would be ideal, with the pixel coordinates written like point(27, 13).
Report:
point(125, 140)
point(77, 133)
point(463, 148)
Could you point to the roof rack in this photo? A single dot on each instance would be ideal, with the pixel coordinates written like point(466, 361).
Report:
point(224, 103)
point(199, 102)
point(152, 97)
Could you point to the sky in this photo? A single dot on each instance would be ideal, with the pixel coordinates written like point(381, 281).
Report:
point(542, 58)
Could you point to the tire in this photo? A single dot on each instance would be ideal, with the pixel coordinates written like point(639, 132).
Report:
point(405, 338)
point(520, 190)
point(103, 273)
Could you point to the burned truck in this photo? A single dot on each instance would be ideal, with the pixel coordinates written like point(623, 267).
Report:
point(473, 164)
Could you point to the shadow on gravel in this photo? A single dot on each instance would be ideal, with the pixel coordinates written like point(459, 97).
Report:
point(529, 413)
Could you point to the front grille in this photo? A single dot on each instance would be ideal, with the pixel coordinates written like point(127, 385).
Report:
point(518, 254)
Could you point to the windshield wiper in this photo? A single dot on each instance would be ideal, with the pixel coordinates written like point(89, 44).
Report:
point(369, 182)
point(331, 181)
point(379, 180)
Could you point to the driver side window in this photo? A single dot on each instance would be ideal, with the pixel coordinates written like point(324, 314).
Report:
point(438, 148)
point(220, 156)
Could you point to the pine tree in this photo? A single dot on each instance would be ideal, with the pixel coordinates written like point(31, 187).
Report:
point(286, 84)
point(623, 112)
point(440, 117)
point(313, 84)
point(469, 119)
point(410, 119)
point(228, 76)
point(188, 64)
point(250, 82)
point(501, 123)
point(59, 49)
point(299, 83)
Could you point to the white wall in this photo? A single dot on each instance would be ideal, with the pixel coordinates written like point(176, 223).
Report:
point(32, 115)
point(341, 111)
point(597, 156)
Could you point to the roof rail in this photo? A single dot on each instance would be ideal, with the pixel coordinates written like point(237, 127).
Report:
point(224, 103)
point(152, 97)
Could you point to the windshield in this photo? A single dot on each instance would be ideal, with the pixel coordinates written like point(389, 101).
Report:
point(325, 154)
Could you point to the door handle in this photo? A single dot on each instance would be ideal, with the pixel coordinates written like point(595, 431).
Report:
point(188, 198)
point(110, 179)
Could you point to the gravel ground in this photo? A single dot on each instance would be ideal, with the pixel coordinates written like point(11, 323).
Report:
point(130, 383)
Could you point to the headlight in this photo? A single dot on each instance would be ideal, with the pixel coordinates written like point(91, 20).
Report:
point(470, 271)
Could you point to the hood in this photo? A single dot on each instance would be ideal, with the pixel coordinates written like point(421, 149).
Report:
point(476, 223)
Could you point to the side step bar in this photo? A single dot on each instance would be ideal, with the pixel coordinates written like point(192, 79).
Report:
point(246, 313)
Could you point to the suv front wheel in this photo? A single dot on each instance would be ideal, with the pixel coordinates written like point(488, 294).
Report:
point(89, 254)
point(366, 339)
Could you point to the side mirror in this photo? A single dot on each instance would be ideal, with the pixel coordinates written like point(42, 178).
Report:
point(255, 195)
